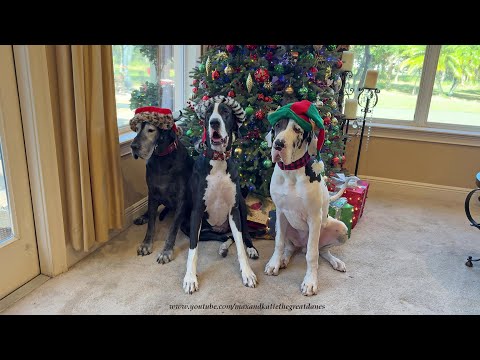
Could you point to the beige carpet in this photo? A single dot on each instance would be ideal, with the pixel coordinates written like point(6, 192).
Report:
point(406, 256)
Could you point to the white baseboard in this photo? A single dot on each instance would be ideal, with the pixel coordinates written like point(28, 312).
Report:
point(135, 210)
point(433, 191)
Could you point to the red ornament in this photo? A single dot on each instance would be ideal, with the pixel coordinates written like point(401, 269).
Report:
point(326, 120)
point(195, 81)
point(205, 97)
point(253, 57)
point(230, 48)
point(268, 99)
point(335, 160)
point(273, 47)
point(313, 70)
point(261, 75)
point(339, 64)
point(215, 74)
point(251, 47)
point(343, 159)
point(195, 90)
point(259, 114)
point(231, 93)
point(269, 56)
point(261, 97)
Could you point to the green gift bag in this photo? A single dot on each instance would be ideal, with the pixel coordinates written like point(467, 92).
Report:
point(341, 210)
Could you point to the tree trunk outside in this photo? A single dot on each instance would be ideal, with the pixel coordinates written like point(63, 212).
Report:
point(439, 84)
point(415, 84)
point(454, 85)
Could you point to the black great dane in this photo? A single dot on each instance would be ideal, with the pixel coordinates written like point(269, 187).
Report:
point(168, 171)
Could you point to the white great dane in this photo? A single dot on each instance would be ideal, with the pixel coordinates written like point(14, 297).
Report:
point(301, 199)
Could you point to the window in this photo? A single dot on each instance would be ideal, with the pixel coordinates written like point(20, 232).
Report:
point(456, 90)
point(5, 211)
point(151, 75)
point(398, 81)
point(436, 86)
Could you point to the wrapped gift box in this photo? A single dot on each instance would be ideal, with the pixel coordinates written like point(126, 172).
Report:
point(258, 217)
point(341, 210)
point(357, 197)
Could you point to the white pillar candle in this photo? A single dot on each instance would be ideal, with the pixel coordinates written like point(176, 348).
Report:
point(350, 110)
point(347, 61)
point(371, 79)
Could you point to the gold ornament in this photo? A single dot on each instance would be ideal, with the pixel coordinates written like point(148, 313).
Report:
point(238, 151)
point(220, 56)
point(329, 114)
point(249, 83)
point(228, 70)
point(320, 60)
point(289, 90)
point(267, 85)
point(333, 103)
point(328, 72)
point(334, 121)
point(208, 65)
point(317, 47)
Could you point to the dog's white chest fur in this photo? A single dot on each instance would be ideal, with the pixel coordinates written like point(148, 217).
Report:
point(298, 198)
point(220, 193)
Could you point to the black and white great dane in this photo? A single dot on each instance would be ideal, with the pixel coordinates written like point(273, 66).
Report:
point(215, 186)
point(301, 199)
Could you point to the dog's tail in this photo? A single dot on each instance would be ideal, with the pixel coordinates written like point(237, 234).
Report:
point(339, 194)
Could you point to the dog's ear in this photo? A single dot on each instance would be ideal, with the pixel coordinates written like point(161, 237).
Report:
point(312, 145)
point(268, 137)
point(235, 132)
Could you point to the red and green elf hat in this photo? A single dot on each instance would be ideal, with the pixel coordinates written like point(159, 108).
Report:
point(306, 116)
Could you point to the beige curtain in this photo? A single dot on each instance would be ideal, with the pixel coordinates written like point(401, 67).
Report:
point(83, 105)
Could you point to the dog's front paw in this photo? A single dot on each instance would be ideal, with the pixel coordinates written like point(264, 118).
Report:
point(272, 266)
point(249, 278)
point(309, 285)
point(223, 249)
point(284, 262)
point(338, 265)
point(141, 220)
point(190, 283)
point(165, 256)
point(145, 249)
point(252, 252)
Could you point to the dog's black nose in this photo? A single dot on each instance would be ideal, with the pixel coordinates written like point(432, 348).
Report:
point(279, 144)
point(135, 146)
point(215, 124)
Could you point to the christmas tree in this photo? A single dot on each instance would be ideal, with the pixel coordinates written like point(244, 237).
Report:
point(262, 78)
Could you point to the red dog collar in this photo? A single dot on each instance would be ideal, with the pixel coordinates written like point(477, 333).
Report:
point(168, 150)
point(303, 161)
point(217, 155)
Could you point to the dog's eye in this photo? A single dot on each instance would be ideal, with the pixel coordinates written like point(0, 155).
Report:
point(151, 130)
point(297, 130)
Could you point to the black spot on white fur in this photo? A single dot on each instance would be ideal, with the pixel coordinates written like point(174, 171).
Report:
point(311, 174)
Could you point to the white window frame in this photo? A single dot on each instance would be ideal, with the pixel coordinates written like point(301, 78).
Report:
point(185, 60)
point(420, 128)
